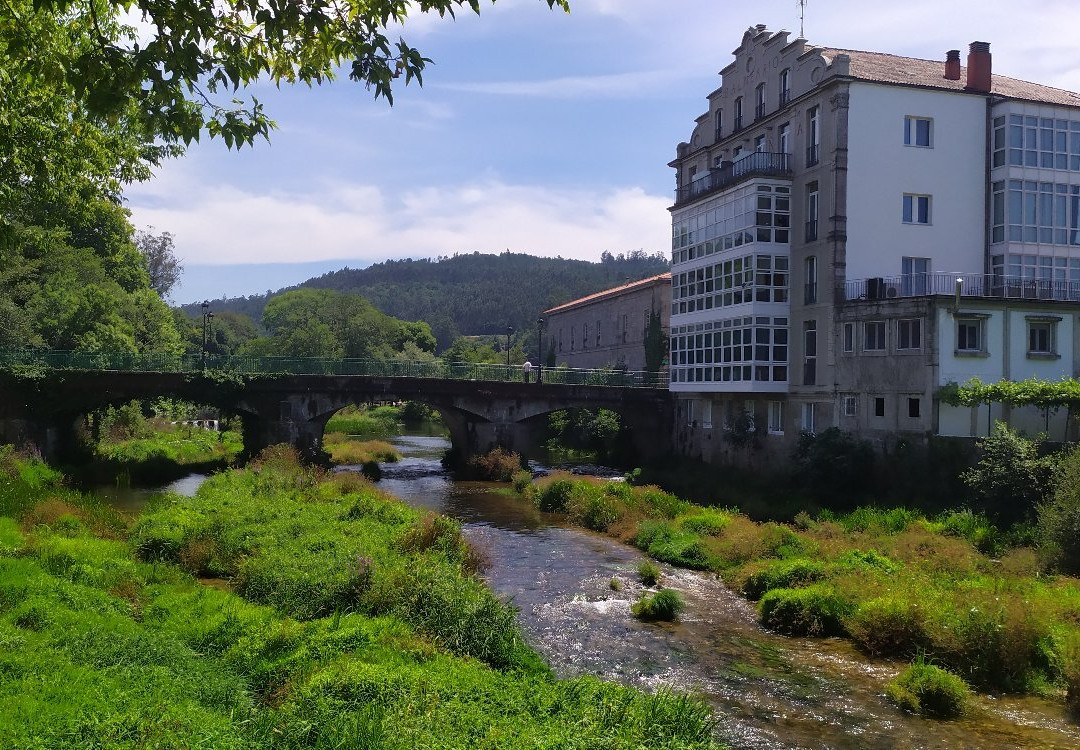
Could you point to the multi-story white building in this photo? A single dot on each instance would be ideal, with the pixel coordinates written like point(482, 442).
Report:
point(853, 230)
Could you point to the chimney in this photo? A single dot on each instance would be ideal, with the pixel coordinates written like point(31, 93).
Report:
point(952, 65)
point(978, 67)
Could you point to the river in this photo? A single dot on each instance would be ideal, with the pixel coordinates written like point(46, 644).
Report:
point(768, 691)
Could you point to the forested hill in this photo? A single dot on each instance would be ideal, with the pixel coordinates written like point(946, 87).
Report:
point(471, 294)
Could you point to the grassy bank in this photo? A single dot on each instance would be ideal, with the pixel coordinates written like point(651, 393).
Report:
point(160, 452)
point(352, 620)
point(345, 451)
point(895, 582)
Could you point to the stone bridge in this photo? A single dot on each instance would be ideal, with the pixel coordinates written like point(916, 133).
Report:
point(47, 409)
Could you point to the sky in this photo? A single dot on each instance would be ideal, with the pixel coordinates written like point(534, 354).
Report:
point(535, 131)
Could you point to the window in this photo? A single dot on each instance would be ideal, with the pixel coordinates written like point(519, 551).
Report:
point(598, 333)
point(776, 417)
point(573, 334)
point(909, 333)
point(625, 326)
point(689, 412)
point(874, 336)
point(1042, 336)
point(785, 86)
point(916, 276)
point(879, 406)
point(918, 131)
point(560, 339)
point(916, 209)
point(913, 408)
point(784, 139)
point(706, 413)
point(808, 418)
point(737, 126)
point(759, 144)
point(849, 337)
point(584, 335)
point(810, 280)
point(719, 123)
point(969, 335)
point(850, 406)
point(759, 107)
point(813, 137)
point(810, 352)
point(811, 211)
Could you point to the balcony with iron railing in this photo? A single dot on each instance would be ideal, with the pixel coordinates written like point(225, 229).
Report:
point(756, 164)
point(971, 285)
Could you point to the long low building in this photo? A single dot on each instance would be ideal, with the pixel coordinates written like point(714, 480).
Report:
point(607, 329)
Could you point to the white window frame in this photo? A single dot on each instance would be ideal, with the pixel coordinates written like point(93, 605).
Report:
point(917, 209)
point(848, 343)
point(808, 421)
point(706, 413)
point(851, 405)
point(911, 131)
point(913, 342)
point(690, 412)
point(1047, 324)
point(776, 417)
point(784, 138)
point(880, 328)
point(979, 326)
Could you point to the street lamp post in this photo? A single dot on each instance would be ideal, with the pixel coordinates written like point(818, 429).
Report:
point(207, 316)
point(540, 350)
point(509, 330)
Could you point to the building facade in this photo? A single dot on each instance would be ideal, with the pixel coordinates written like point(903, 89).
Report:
point(853, 230)
point(607, 329)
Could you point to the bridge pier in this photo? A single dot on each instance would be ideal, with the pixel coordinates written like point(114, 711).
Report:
point(305, 435)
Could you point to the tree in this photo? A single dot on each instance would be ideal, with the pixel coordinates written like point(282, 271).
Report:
point(655, 343)
point(181, 80)
point(1010, 478)
point(159, 254)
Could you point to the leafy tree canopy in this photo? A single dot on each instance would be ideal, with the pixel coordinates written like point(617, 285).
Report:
point(180, 80)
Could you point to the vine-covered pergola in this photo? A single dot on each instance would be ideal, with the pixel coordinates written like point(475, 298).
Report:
point(1044, 394)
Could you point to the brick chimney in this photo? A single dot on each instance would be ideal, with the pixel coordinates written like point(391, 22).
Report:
point(978, 67)
point(952, 65)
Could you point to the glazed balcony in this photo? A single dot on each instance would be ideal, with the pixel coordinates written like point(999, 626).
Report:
point(756, 164)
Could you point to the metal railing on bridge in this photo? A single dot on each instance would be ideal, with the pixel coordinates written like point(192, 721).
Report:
point(254, 365)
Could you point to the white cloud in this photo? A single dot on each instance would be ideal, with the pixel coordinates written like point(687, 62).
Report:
point(633, 84)
point(222, 224)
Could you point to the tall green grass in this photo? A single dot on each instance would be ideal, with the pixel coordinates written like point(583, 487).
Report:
point(101, 648)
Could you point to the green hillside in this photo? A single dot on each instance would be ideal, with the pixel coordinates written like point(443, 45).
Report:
point(471, 294)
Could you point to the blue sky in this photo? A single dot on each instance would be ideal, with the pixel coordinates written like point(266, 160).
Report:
point(535, 131)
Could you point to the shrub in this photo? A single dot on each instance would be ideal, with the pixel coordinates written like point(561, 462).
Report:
point(434, 532)
point(817, 610)
point(1059, 517)
point(648, 573)
point(665, 605)
point(857, 559)
point(707, 522)
point(497, 465)
point(593, 507)
point(888, 626)
point(521, 481)
point(615, 584)
point(782, 574)
point(371, 470)
point(668, 544)
point(930, 691)
point(1010, 477)
point(554, 497)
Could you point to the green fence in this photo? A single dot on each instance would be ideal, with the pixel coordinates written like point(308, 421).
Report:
point(247, 365)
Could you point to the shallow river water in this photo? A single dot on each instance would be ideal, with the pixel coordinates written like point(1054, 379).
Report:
point(768, 691)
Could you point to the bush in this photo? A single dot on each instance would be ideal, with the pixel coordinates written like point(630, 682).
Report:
point(665, 605)
point(1010, 478)
point(1059, 517)
point(497, 465)
point(709, 522)
point(668, 544)
point(782, 574)
point(930, 691)
point(888, 626)
point(521, 481)
point(593, 507)
point(554, 497)
point(817, 610)
point(648, 573)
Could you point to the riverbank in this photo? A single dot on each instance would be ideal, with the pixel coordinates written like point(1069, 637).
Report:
point(894, 582)
point(350, 618)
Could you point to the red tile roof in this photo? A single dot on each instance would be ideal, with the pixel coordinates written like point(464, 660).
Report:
point(912, 71)
point(611, 292)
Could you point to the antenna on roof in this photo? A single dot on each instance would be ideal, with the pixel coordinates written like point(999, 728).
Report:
point(802, 17)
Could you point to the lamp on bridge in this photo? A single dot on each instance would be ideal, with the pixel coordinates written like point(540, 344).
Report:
point(509, 330)
point(207, 317)
point(540, 349)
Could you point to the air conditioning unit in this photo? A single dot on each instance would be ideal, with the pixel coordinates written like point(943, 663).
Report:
point(875, 288)
point(892, 291)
